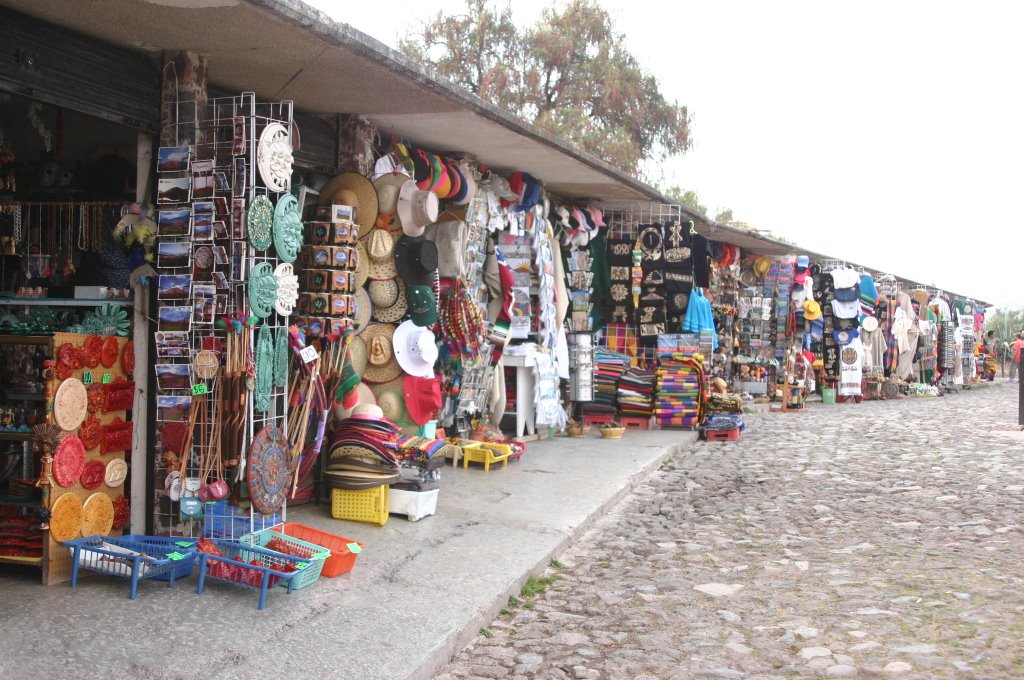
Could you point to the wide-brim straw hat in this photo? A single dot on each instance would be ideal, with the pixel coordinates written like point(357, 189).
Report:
point(383, 292)
point(381, 251)
point(364, 311)
point(351, 188)
point(357, 354)
point(397, 310)
point(362, 265)
point(390, 398)
point(364, 395)
point(382, 365)
point(388, 187)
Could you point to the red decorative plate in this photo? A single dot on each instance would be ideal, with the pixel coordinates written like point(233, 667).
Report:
point(268, 470)
point(122, 512)
point(93, 349)
point(64, 371)
point(117, 436)
point(66, 353)
point(93, 474)
point(90, 433)
point(110, 351)
point(68, 461)
point(128, 358)
point(119, 395)
point(81, 356)
point(97, 398)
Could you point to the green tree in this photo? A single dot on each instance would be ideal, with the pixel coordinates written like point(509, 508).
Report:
point(724, 215)
point(570, 74)
point(687, 197)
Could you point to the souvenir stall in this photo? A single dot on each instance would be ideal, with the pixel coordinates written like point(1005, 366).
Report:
point(67, 244)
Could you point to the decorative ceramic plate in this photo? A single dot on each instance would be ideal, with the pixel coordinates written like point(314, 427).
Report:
point(204, 258)
point(287, 228)
point(260, 222)
point(122, 512)
point(206, 364)
point(91, 433)
point(110, 352)
point(268, 470)
point(281, 353)
point(68, 461)
point(70, 404)
point(287, 288)
point(92, 475)
point(115, 474)
point(262, 290)
point(128, 358)
point(65, 517)
point(264, 369)
point(93, 349)
point(274, 157)
point(97, 515)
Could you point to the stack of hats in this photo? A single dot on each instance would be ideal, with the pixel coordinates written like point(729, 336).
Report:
point(363, 451)
point(636, 393)
point(420, 460)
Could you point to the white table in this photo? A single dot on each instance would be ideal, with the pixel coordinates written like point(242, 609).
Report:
point(526, 419)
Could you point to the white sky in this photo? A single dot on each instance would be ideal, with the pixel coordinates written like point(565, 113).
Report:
point(888, 133)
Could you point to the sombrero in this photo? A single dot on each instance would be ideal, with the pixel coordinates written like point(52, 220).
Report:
point(364, 310)
point(381, 251)
point(351, 188)
point(812, 310)
point(387, 187)
point(761, 266)
point(362, 265)
point(357, 354)
point(364, 395)
point(382, 365)
point(383, 292)
point(390, 398)
point(396, 310)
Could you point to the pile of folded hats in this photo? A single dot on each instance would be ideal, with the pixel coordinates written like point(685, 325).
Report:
point(636, 393)
point(420, 460)
point(363, 451)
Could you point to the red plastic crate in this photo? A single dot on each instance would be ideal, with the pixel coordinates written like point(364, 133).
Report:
point(597, 419)
point(722, 435)
point(635, 422)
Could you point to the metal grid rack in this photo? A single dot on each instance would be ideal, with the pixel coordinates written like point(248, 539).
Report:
point(212, 139)
point(625, 217)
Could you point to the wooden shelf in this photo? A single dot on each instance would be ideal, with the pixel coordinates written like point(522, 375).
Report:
point(16, 436)
point(21, 560)
point(25, 339)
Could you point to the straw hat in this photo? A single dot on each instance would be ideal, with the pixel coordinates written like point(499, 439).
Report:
point(364, 310)
point(396, 310)
point(812, 310)
point(357, 354)
point(381, 251)
point(382, 365)
point(383, 292)
point(391, 399)
point(762, 265)
point(364, 395)
point(351, 188)
point(387, 187)
point(362, 265)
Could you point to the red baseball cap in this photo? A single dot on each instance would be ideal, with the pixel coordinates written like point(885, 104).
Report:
point(422, 397)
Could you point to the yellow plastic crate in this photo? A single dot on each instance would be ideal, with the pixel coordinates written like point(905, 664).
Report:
point(365, 505)
point(486, 453)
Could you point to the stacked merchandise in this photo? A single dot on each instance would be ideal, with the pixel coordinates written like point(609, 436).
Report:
point(680, 394)
point(336, 267)
point(725, 412)
point(636, 393)
point(362, 454)
point(420, 460)
point(620, 262)
point(19, 536)
point(608, 369)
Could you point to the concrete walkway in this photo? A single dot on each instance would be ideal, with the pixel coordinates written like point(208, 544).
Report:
point(418, 594)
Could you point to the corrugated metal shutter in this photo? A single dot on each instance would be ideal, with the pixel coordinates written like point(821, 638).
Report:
point(56, 66)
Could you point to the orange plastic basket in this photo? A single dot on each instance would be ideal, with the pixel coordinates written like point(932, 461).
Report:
point(342, 558)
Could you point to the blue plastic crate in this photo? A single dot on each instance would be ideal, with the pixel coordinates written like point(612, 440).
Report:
point(134, 557)
point(231, 522)
point(241, 572)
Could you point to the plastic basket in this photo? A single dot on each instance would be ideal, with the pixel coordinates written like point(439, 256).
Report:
point(297, 547)
point(415, 505)
point(134, 557)
point(221, 520)
point(344, 551)
point(364, 505)
point(266, 573)
point(722, 435)
point(486, 453)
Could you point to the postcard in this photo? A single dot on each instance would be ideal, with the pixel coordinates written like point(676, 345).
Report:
point(238, 230)
point(174, 286)
point(220, 229)
point(238, 136)
point(173, 254)
point(220, 254)
point(202, 167)
point(174, 318)
point(202, 226)
point(174, 222)
point(202, 263)
point(240, 178)
point(173, 408)
point(173, 158)
point(203, 186)
point(173, 190)
point(220, 280)
point(173, 377)
point(220, 206)
point(204, 206)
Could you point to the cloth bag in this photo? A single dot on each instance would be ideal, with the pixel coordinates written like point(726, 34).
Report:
point(451, 239)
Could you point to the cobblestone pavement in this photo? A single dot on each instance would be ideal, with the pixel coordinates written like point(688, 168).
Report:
point(880, 539)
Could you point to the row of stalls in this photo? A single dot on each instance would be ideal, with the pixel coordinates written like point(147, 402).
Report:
point(219, 306)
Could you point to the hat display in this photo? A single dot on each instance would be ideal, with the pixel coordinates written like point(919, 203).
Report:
point(382, 365)
point(351, 188)
point(500, 186)
point(381, 251)
point(357, 354)
point(422, 305)
point(368, 409)
point(469, 187)
point(455, 173)
point(416, 208)
point(383, 292)
point(388, 187)
point(396, 310)
point(415, 349)
point(416, 259)
point(803, 262)
point(812, 310)
point(362, 265)
point(761, 266)
point(848, 294)
point(422, 397)
point(845, 277)
point(391, 399)
point(364, 310)
point(364, 397)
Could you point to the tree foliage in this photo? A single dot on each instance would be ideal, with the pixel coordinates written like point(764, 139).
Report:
point(687, 197)
point(571, 74)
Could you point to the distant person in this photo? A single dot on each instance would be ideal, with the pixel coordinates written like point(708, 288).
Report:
point(1015, 359)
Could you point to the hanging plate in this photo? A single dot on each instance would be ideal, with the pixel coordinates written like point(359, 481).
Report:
point(260, 222)
point(97, 515)
point(262, 290)
point(281, 353)
point(93, 349)
point(128, 358)
point(68, 461)
point(205, 365)
point(92, 475)
point(70, 404)
point(65, 517)
point(287, 288)
point(91, 433)
point(115, 473)
point(287, 228)
point(274, 157)
point(110, 352)
point(268, 470)
point(264, 369)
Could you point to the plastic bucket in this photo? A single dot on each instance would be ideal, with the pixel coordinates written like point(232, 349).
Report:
point(828, 395)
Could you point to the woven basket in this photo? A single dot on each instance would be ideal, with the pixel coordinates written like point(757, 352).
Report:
point(613, 432)
point(576, 431)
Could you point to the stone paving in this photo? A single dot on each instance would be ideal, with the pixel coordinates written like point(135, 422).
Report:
point(880, 539)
